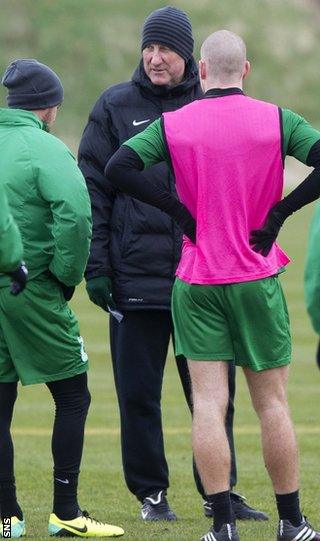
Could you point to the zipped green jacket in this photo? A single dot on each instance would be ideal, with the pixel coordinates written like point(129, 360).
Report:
point(312, 271)
point(47, 196)
point(10, 238)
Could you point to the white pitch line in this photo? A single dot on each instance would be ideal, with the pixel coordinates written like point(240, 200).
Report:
point(245, 430)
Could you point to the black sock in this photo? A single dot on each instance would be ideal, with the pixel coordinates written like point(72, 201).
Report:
point(289, 507)
point(65, 503)
point(8, 501)
point(222, 510)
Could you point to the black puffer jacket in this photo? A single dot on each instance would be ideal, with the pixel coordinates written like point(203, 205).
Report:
point(135, 244)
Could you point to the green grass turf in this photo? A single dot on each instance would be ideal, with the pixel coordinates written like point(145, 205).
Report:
point(102, 488)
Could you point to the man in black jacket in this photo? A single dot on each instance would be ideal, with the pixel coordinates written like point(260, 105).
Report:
point(134, 253)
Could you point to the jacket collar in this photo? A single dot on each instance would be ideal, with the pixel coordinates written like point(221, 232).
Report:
point(20, 117)
point(190, 80)
point(219, 92)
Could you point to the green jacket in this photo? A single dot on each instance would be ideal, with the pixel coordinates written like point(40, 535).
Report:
point(47, 195)
point(10, 239)
point(312, 271)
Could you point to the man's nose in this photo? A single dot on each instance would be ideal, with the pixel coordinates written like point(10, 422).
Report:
point(156, 58)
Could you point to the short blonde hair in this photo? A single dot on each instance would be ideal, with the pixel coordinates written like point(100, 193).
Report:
point(224, 54)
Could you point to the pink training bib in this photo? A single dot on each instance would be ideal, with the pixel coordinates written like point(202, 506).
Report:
point(226, 155)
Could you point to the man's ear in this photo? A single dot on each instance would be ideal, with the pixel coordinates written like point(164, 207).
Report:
point(247, 69)
point(202, 69)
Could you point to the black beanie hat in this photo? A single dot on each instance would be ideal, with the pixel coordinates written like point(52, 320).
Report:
point(171, 27)
point(32, 85)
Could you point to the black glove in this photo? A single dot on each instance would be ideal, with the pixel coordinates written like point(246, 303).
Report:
point(261, 240)
point(18, 279)
point(67, 291)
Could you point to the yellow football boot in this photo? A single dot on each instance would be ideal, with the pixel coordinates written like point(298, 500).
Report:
point(82, 526)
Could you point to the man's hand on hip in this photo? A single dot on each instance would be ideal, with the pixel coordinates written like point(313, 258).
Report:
point(261, 240)
point(100, 292)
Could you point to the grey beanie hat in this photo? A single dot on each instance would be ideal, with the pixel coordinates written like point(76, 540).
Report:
point(169, 26)
point(32, 85)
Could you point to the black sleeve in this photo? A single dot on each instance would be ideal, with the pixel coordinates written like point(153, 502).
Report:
point(124, 172)
point(309, 189)
point(313, 159)
point(98, 143)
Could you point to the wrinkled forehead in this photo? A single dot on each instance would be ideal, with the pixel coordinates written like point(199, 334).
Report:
point(158, 45)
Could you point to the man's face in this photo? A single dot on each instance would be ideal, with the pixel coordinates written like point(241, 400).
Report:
point(162, 65)
point(49, 116)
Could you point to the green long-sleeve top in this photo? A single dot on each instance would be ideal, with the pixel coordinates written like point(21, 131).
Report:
point(47, 196)
point(10, 238)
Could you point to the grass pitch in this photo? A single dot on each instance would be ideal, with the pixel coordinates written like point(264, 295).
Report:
point(92, 45)
point(102, 488)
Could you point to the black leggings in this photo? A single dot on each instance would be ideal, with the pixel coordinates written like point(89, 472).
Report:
point(8, 395)
point(72, 400)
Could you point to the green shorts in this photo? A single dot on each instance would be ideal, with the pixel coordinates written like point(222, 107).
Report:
point(246, 322)
point(39, 335)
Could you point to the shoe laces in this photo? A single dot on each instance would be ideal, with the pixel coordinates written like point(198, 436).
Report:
point(162, 506)
point(304, 521)
point(86, 515)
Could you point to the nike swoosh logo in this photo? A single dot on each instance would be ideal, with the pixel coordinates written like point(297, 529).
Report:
point(70, 528)
point(157, 501)
point(64, 481)
point(138, 122)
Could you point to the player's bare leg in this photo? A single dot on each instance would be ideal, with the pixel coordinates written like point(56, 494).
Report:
point(280, 450)
point(209, 440)
point(210, 394)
